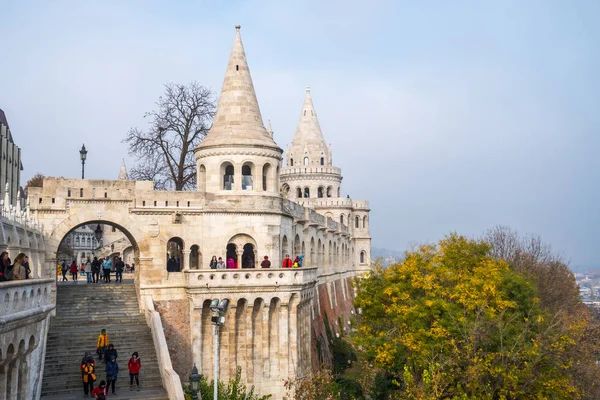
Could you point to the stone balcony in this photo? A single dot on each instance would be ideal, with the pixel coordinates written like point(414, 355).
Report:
point(274, 278)
point(24, 300)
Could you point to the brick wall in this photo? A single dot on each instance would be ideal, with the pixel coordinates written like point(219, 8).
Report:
point(174, 315)
point(341, 308)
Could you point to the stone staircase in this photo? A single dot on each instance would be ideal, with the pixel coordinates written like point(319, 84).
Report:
point(82, 311)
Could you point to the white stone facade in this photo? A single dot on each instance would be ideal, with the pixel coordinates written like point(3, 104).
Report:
point(237, 208)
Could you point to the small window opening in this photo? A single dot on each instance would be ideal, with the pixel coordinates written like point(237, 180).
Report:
point(68, 192)
point(143, 203)
point(81, 192)
point(40, 202)
point(188, 203)
point(178, 203)
point(237, 67)
point(305, 113)
point(306, 161)
point(291, 162)
point(306, 193)
point(154, 203)
point(298, 192)
point(322, 161)
point(105, 195)
point(166, 204)
point(53, 200)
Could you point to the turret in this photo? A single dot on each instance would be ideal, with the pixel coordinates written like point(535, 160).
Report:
point(309, 171)
point(238, 155)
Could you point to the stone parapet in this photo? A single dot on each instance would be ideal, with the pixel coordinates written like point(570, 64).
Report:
point(290, 171)
point(24, 299)
point(264, 278)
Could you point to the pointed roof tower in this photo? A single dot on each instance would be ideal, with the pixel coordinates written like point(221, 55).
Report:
point(308, 131)
point(238, 120)
point(123, 176)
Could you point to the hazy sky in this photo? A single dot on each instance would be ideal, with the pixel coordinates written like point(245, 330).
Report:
point(447, 116)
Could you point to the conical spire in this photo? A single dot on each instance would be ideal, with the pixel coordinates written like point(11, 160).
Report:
point(308, 129)
point(123, 176)
point(237, 120)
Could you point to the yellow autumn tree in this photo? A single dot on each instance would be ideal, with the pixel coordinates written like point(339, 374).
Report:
point(453, 322)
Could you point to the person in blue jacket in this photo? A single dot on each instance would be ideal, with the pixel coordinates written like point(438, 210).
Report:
point(112, 371)
point(107, 267)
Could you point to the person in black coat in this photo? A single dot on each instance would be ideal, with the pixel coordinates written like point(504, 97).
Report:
point(110, 353)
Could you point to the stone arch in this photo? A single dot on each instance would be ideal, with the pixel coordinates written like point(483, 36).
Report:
point(298, 192)
point(227, 172)
point(284, 248)
point(363, 257)
point(240, 241)
point(306, 161)
point(319, 254)
point(268, 181)
point(201, 179)
point(365, 221)
point(320, 192)
point(306, 192)
point(273, 335)
point(195, 257)
point(239, 338)
point(311, 259)
point(259, 336)
point(89, 216)
point(174, 254)
point(342, 219)
point(329, 191)
point(356, 221)
point(285, 190)
point(297, 248)
point(207, 339)
point(248, 171)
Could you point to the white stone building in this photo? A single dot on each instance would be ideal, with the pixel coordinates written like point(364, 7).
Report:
point(276, 315)
point(10, 161)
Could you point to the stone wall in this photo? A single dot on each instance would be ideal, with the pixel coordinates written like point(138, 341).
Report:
point(174, 315)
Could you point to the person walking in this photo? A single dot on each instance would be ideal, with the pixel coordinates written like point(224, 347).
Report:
point(102, 344)
point(266, 263)
point(18, 272)
point(287, 262)
point(74, 271)
point(65, 270)
point(88, 270)
point(221, 264)
point(88, 377)
point(112, 372)
point(107, 266)
point(100, 392)
point(119, 267)
point(134, 365)
point(111, 353)
point(95, 270)
point(58, 270)
point(213, 262)
point(230, 263)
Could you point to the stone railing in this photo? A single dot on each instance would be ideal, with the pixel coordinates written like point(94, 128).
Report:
point(170, 378)
point(24, 299)
point(311, 170)
point(277, 277)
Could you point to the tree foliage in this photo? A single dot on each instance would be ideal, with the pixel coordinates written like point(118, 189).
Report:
point(165, 151)
point(35, 181)
point(234, 389)
point(454, 320)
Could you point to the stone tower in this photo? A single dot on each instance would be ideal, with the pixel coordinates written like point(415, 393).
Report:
point(238, 156)
point(309, 171)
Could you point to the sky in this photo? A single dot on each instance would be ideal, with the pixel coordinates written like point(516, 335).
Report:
point(447, 116)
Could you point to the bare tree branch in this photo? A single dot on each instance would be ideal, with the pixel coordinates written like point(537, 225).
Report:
point(165, 151)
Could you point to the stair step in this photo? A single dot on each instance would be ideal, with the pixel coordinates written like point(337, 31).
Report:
point(82, 312)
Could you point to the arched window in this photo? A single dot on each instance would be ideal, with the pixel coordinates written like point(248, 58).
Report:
point(89, 242)
point(322, 161)
point(356, 221)
point(320, 192)
point(365, 221)
point(248, 256)
point(246, 177)
point(285, 190)
point(297, 248)
point(298, 192)
point(174, 255)
point(228, 172)
point(329, 191)
point(339, 192)
point(306, 192)
point(311, 260)
point(363, 256)
point(284, 248)
point(77, 241)
point(306, 161)
point(342, 219)
point(265, 176)
point(201, 179)
point(291, 162)
point(231, 254)
point(195, 257)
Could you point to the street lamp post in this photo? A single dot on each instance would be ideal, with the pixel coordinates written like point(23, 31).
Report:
point(83, 154)
point(195, 378)
point(98, 235)
point(218, 320)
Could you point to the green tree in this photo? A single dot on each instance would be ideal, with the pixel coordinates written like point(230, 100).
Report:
point(234, 389)
point(452, 321)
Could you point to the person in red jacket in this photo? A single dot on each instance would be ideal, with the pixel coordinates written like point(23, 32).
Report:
point(73, 270)
point(287, 262)
point(100, 392)
point(134, 365)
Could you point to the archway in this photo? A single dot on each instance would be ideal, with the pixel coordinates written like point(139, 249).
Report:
point(195, 257)
point(231, 253)
point(174, 254)
point(248, 258)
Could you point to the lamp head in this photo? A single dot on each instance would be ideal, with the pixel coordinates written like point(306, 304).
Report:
point(214, 304)
point(223, 305)
point(83, 153)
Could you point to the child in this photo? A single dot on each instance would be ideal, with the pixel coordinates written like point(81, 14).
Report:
point(88, 377)
point(112, 372)
point(100, 392)
point(134, 365)
point(102, 344)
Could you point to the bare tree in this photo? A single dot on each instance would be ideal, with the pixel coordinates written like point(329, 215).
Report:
point(165, 151)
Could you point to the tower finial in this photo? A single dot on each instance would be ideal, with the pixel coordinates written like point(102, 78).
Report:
point(308, 90)
point(238, 27)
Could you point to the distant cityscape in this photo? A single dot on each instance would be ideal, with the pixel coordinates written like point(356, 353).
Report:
point(589, 287)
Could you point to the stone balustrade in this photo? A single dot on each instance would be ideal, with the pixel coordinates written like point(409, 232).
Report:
point(264, 277)
point(24, 299)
